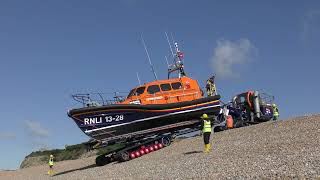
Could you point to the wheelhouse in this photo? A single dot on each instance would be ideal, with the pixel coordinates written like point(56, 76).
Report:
point(165, 91)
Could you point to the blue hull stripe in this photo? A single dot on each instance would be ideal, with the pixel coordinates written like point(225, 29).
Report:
point(150, 118)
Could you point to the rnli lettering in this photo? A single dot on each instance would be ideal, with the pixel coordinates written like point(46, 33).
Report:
point(103, 119)
point(95, 120)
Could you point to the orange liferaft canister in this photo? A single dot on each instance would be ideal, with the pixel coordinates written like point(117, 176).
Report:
point(229, 122)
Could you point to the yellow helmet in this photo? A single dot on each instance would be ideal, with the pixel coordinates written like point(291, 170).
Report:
point(204, 116)
point(51, 156)
point(274, 105)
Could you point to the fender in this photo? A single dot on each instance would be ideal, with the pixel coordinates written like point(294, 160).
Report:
point(250, 93)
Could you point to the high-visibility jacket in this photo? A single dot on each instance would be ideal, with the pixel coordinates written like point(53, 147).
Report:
point(50, 162)
point(206, 126)
point(275, 111)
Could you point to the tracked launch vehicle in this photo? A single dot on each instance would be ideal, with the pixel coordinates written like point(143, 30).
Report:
point(251, 107)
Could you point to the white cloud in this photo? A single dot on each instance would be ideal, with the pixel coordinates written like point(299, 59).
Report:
point(310, 25)
point(39, 144)
point(35, 129)
point(227, 54)
point(7, 136)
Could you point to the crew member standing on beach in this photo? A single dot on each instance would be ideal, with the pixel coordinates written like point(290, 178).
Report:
point(50, 172)
point(206, 132)
point(275, 112)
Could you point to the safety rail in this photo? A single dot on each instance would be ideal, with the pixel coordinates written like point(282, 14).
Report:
point(99, 99)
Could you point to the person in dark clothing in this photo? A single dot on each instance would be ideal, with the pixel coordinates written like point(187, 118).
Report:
point(211, 87)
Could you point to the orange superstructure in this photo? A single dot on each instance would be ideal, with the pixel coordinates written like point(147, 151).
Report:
point(165, 91)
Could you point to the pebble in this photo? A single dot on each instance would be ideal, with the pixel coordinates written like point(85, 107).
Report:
point(285, 149)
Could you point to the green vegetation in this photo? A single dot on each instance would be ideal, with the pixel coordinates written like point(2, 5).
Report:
point(70, 152)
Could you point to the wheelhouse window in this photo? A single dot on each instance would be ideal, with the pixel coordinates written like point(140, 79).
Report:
point(140, 90)
point(136, 92)
point(153, 89)
point(165, 87)
point(176, 85)
point(131, 93)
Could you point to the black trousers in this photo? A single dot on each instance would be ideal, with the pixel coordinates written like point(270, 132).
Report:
point(206, 137)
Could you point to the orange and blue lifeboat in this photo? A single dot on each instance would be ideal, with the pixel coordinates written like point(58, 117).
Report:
point(153, 108)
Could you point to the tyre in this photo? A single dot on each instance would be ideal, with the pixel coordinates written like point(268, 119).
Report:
point(238, 123)
point(166, 141)
point(102, 160)
point(123, 156)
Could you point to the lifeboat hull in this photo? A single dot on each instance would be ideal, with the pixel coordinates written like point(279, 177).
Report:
point(122, 121)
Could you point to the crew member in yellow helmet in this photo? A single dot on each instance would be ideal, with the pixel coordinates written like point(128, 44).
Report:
point(275, 112)
point(206, 132)
point(50, 172)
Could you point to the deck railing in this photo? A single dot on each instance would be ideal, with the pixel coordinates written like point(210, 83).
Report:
point(99, 99)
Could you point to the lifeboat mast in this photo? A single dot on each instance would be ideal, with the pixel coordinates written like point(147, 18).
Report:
point(177, 62)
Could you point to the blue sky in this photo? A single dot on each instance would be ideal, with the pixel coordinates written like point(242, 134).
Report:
point(52, 49)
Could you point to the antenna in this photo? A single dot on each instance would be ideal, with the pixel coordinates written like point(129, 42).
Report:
point(172, 39)
point(145, 48)
point(167, 61)
point(169, 44)
point(138, 79)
